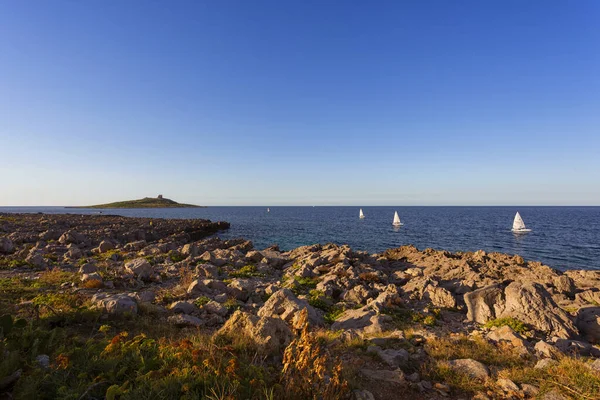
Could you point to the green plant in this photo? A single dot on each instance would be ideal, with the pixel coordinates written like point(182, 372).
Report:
point(176, 256)
point(247, 271)
point(8, 323)
point(202, 300)
point(515, 324)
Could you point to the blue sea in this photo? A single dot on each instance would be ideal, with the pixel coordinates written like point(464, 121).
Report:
point(562, 237)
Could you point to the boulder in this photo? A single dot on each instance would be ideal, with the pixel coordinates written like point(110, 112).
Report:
point(363, 319)
point(470, 367)
point(545, 363)
point(507, 334)
point(72, 237)
point(214, 307)
point(105, 246)
point(139, 267)
point(526, 301)
point(283, 304)
point(545, 349)
point(588, 323)
point(6, 245)
point(190, 250)
point(240, 288)
point(507, 385)
point(396, 377)
point(94, 276)
point(37, 260)
point(197, 287)
point(564, 285)
point(183, 307)
point(88, 268)
point(439, 297)
point(115, 303)
point(392, 357)
point(184, 320)
point(269, 333)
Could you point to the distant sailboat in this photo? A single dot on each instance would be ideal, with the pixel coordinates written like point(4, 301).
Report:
point(519, 225)
point(396, 220)
point(268, 209)
point(360, 214)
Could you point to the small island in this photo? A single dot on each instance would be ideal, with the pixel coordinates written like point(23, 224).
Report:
point(146, 202)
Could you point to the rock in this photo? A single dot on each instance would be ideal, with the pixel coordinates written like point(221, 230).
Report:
point(396, 376)
point(105, 246)
point(72, 237)
point(197, 287)
point(184, 320)
point(506, 334)
point(116, 303)
point(414, 377)
point(576, 347)
point(439, 297)
point(73, 252)
point(565, 285)
point(545, 349)
point(363, 319)
point(553, 395)
point(190, 250)
point(6, 245)
point(240, 288)
point(135, 246)
point(545, 363)
point(529, 390)
point(94, 276)
point(37, 260)
point(283, 304)
point(480, 303)
point(215, 308)
point(183, 307)
point(140, 267)
point(595, 365)
point(43, 361)
point(221, 298)
point(270, 334)
point(88, 268)
point(147, 296)
point(362, 395)
point(393, 358)
point(470, 367)
point(588, 323)
point(358, 294)
point(526, 301)
point(507, 385)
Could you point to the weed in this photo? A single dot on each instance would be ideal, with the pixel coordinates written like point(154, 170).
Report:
point(515, 324)
point(202, 300)
point(247, 271)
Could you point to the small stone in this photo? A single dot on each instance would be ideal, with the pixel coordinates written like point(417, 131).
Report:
point(184, 320)
point(470, 367)
point(545, 363)
point(529, 390)
point(363, 395)
point(183, 307)
point(43, 361)
point(507, 385)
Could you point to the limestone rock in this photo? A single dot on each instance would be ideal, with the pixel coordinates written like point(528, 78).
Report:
point(546, 349)
point(105, 246)
point(545, 363)
point(139, 267)
point(215, 308)
point(184, 320)
point(507, 385)
point(439, 297)
point(94, 276)
point(507, 334)
point(72, 237)
point(392, 357)
point(183, 307)
point(470, 367)
point(480, 303)
point(588, 323)
point(285, 305)
point(396, 376)
point(362, 395)
point(197, 287)
point(529, 390)
point(6, 245)
point(271, 334)
point(115, 303)
point(88, 268)
point(362, 319)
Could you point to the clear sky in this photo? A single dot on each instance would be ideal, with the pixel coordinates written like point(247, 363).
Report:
point(300, 102)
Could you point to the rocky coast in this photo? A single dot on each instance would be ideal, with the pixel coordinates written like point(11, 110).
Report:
point(113, 307)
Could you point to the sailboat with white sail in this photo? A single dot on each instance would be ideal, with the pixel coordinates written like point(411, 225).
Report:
point(268, 209)
point(519, 225)
point(396, 221)
point(360, 214)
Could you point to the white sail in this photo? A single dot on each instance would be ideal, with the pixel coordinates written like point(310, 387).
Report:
point(518, 224)
point(268, 210)
point(360, 214)
point(396, 219)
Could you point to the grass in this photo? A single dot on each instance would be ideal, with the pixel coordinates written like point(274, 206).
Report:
point(515, 324)
point(248, 271)
point(202, 300)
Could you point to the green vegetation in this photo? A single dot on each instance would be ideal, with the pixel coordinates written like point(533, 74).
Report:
point(515, 324)
point(202, 300)
point(176, 256)
point(247, 271)
point(146, 202)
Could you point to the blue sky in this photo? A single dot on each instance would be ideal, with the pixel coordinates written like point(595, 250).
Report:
point(300, 102)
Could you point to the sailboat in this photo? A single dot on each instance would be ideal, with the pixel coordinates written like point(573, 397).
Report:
point(519, 225)
point(396, 220)
point(360, 214)
point(268, 209)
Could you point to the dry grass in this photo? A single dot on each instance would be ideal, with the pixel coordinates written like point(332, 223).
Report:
point(306, 372)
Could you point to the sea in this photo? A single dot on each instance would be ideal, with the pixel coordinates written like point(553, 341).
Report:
point(561, 237)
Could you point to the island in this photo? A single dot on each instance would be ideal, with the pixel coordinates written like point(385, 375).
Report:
point(146, 202)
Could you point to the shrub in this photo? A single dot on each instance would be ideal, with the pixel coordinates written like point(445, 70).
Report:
point(369, 277)
point(176, 256)
point(306, 365)
point(202, 300)
point(247, 271)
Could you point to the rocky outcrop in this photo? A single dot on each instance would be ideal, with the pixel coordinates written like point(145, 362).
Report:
point(115, 303)
point(525, 301)
point(588, 323)
point(269, 333)
point(283, 304)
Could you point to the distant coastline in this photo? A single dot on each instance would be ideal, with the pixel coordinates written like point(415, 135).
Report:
point(146, 202)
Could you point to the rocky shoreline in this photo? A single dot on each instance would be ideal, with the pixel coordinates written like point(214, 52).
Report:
point(427, 324)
